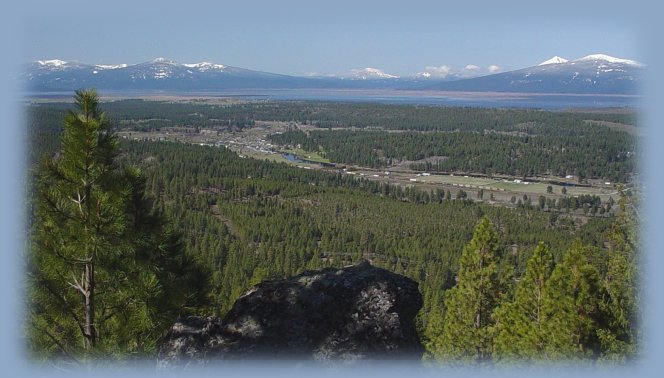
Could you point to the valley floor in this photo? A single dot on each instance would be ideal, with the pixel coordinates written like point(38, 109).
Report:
point(501, 190)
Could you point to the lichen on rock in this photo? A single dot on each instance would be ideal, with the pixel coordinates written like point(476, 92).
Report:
point(354, 313)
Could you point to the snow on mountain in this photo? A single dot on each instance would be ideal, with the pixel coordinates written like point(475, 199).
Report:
point(555, 60)
point(597, 73)
point(610, 59)
point(110, 66)
point(56, 65)
point(159, 68)
point(156, 74)
point(52, 63)
point(593, 58)
point(205, 66)
point(370, 73)
point(164, 60)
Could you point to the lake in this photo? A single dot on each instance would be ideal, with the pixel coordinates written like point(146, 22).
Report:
point(393, 96)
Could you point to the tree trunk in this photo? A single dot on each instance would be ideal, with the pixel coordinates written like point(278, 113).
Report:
point(89, 327)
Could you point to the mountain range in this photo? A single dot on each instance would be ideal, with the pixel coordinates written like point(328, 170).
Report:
point(592, 74)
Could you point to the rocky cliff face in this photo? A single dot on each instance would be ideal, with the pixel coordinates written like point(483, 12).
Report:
point(358, 312)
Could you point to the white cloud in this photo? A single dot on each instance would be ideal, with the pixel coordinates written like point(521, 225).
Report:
point(439, 71)
point(446, 72)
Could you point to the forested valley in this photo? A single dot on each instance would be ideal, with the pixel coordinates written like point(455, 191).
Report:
point(498, 283)
point(582, 150)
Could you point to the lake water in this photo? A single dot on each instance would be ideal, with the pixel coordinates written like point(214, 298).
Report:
point(292, 158)
point(391, 96)
point(473, 99)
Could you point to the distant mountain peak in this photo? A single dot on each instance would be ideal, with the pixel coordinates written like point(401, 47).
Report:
point(52, 62)
point(371, 73)
point(204, 66)
point(163, 60)
point(608, 58)
point(110, 66)
point(555, 60)
point(597, 73)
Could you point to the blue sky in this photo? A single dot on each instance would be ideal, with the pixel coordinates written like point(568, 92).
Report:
point(300, 37)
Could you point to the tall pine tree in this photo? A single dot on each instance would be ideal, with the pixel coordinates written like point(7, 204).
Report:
point(620, 303)
point(466, 333)
point(106, 277)
point(572, 307)
point(519, 331)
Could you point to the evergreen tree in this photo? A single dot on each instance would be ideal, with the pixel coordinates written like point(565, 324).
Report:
point(571, 306)
point(621, 300)
point(519, 330)
point(468, 306)
point(284, 220)
point(102, 266)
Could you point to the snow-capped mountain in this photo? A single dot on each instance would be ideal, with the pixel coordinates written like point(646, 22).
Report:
point(53, 64)
point(555, 60)
point(157, 74)
point(369, 74)
point(597, 73)
point(606, 58)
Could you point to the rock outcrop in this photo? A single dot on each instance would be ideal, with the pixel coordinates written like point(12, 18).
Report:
point(358, 312)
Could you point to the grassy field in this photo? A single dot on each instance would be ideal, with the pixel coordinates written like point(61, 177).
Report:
point(511, 186)
point(246, 143)
point(630, 129)
point(308, 155)
point(264, 156)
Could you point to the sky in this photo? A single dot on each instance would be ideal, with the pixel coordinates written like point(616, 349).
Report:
point(306, 37)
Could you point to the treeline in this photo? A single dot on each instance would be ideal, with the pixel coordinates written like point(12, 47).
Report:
point(360, 115)
point(44, 129)
point(501, 141)
point(584, 151)
point(583, 306)
point(253, 230)
point(246, 220)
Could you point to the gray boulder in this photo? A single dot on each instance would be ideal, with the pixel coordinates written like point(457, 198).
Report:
point(358, 312)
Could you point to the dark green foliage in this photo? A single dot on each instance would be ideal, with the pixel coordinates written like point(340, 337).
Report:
point(284, 219)
point(466, 330)
point(620, 334)
point(519, 332)
point(104, 273)
point(358, 115)
point(571, 306)
point(510, 141)
point(549, 148)
point(571, 312)
point(250, 220)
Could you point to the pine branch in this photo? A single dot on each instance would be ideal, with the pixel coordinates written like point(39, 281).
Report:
point(72, 260)
point(60, 299)
point(76, 285)
point(56, 342)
